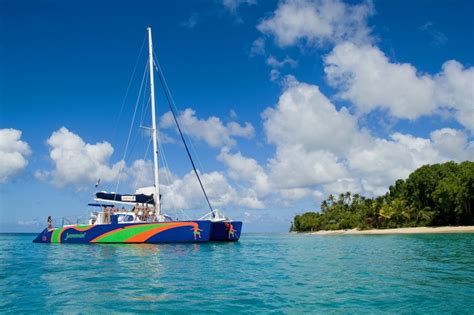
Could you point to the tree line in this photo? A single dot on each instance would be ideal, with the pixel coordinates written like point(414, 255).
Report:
point(432, 195)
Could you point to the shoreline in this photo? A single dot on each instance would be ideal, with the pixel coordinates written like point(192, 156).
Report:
point(411, 230)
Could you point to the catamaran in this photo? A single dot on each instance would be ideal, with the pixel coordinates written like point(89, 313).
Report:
point(145, 222)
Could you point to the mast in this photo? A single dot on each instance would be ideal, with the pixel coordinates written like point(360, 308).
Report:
point(153, 124)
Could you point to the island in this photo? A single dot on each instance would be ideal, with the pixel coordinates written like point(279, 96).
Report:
point(437, 198)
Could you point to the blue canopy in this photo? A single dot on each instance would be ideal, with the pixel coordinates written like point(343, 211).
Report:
point(100, 205)
point(130, 199)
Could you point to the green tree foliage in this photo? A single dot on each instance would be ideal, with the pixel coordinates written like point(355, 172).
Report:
point(433, 195)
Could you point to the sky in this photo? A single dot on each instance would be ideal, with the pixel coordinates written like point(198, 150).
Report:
point(283, 102)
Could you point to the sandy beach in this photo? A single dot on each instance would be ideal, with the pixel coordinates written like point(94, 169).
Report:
point(413, 230)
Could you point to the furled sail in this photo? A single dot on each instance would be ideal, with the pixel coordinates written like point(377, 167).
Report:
point(125, 198)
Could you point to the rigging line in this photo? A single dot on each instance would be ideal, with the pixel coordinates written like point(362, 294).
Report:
point(195, 152)
point(168, 177)
point(128, 89)
point(170, 102)
point(186, 133)
point(133, 144)
point(165, 163)
point(130, 132)
point(146, 102)
point(144, 157)
point(172, 108)
point(147, 149)
point(146, 109)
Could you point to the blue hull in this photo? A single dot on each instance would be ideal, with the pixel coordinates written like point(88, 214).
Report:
point(152, 232)
point(225, 231)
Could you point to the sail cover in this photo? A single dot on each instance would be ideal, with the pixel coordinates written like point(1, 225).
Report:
point(131, 199)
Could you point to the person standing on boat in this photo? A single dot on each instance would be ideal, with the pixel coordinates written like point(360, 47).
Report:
point(50, 223)
point(145, 213)
point(106, 215)
point(135, 212)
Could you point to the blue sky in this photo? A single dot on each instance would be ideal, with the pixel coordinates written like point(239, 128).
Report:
point(285, 102)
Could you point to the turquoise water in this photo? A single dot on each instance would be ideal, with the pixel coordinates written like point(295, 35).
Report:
point(263, 273)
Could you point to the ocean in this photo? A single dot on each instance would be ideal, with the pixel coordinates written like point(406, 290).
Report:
point(261, 274)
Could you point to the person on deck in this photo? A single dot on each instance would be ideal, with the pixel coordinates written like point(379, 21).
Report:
point(145, 214)
point(135, 211)
point(106, 215)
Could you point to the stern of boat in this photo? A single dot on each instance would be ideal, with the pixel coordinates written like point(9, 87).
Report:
point(44, 236)
point(225, 231)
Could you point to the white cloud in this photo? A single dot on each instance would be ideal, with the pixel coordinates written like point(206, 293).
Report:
point(247, 198)
point(233, 5)
point(342, 185)
point(295, 193)
point(438, 38)
point(210, 130)
point(452, 144)
point(246, 169)
point(240, 167)
point(186, 194)
point(42, 175)
point(309, 133)
point(141, 173)
point(318, 196)
point(366, 77)
point(455, 89)
point(191, 22)
point(275, 63)
point(13, 153)
point(305, 117)
point(78, 163)
point(318, 22)
point(295, 167)
point(320, 147)
point(32, 222)
point(258, 47)
point(274, 75)
point(233, 114)
point(385, 161)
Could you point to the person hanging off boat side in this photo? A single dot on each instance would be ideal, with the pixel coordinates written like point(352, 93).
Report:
point(50, 223)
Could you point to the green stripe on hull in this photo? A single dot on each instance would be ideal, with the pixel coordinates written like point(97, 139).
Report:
point(55, 235)
point(123, 234)
point(84, 226)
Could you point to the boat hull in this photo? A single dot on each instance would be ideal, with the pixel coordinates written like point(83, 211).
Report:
point(225, 231)
point(148, 232)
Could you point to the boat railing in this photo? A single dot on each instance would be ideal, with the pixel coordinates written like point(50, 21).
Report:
point(215, 216)
point(73, 220)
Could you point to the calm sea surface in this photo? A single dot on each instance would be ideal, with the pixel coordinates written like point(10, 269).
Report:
point(263, 273)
